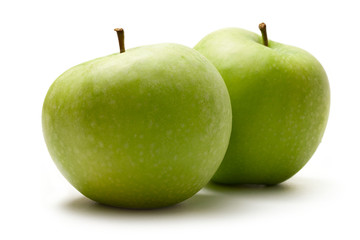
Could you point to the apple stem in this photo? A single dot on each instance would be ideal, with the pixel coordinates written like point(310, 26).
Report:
point(120, 34)
point(262, 27)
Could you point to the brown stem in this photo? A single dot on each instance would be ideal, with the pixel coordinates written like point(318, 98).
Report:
point(262, 27)
point(120, 34)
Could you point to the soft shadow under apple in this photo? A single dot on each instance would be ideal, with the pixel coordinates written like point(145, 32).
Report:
point(213, 200)
point(201, 204)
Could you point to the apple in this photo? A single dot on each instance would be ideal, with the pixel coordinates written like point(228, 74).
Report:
point(280, 101)
point(143, 128)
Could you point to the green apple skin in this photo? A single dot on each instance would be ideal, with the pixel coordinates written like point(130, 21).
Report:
point(146, 128)
point(280, 101)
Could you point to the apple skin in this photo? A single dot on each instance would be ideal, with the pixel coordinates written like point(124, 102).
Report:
point(280, 99)
point(146, 128)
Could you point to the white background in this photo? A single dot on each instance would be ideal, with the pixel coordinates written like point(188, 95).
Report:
point(41, 39)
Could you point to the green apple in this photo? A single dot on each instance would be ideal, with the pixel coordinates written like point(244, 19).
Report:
point(144, 128)
point(280, 101)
